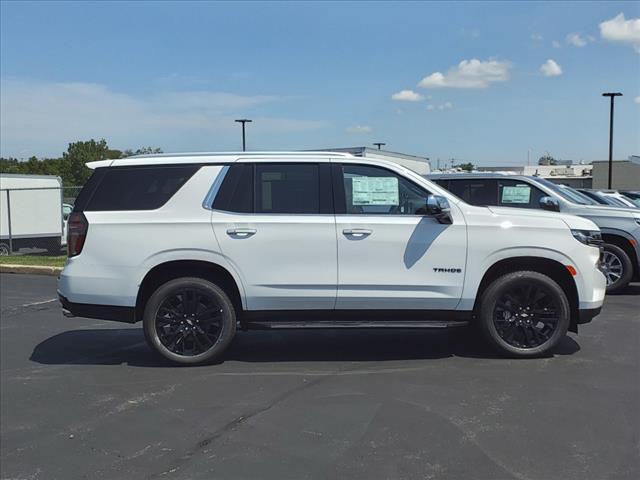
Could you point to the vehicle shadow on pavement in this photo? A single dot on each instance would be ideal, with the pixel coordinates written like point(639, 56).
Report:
point(127, 346)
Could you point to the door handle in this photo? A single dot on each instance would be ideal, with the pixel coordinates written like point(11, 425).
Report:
point(241, 232)
point(357, 232)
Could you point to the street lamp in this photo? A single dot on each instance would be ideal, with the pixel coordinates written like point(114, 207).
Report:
point(379, 145)
point(243, 121)
point(612, 96)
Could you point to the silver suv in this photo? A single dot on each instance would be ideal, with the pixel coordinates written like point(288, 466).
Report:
point(620, 227)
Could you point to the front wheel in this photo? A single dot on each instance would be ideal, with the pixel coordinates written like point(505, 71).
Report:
point(524, 314)
point(189, 320)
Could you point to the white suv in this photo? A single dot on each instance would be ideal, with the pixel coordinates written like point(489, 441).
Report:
point(198, 245)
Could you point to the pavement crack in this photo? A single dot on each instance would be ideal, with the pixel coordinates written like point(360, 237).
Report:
point(28, 307)
point(234, 425)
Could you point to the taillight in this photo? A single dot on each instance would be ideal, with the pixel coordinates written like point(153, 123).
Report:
point(77, 227)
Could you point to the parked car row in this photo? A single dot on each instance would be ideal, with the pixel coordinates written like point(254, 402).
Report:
point(619, 224)
point(196, 246)
point(613, 197)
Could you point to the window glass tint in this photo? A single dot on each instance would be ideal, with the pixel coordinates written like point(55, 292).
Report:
point(566, 192)
point(516, 193)
point(287, 188)
point(236, 192)
point(138, 188)
point(82, 200)
point(376, 191)
point(475, 191)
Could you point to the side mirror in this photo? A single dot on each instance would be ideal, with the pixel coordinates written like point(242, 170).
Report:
point(439, 208)
point(550, 203)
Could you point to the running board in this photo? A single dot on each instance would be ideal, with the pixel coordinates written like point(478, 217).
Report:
point(276, 325)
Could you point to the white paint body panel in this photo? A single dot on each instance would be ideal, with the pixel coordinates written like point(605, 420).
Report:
point(288, 263)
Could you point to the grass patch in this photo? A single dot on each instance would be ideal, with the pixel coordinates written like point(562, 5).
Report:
point(40, 260)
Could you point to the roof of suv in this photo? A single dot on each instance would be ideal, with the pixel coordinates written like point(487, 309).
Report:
point(211, 157)
point(448, 176)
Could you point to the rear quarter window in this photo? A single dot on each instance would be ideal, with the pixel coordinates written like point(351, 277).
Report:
point(135, 188)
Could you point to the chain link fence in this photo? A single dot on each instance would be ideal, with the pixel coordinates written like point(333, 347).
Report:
point(33, 220)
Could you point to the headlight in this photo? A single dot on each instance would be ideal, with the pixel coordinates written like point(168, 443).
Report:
point(588, 237)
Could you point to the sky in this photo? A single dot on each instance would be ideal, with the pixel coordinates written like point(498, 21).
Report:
point(492, 83)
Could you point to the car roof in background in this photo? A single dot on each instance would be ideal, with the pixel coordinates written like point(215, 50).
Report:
point(448, 176)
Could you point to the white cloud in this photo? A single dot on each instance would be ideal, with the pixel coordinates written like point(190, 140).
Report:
point(578, 40)
point(359, 129)
point(556, 44)
point(536, 37)
point(442, 106)
point(42, 118)
point(469, 32)
point(407, 96)
point(550, 68)
point(472, 73)
point(637, 99)
point(623, 31)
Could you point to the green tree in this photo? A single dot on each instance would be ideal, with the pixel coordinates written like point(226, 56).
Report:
point(141, 151)
point(74, 171)
point(467, 167)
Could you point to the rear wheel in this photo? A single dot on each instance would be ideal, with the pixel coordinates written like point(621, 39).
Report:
point(524, 314)
point(189, 320)
point(616, 266)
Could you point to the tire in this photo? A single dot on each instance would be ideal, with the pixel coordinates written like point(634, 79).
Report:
point(524, 314)
point(4, 249)
point(189, 321)
point(617, 267)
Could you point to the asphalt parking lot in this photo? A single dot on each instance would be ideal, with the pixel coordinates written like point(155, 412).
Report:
point(85, 398)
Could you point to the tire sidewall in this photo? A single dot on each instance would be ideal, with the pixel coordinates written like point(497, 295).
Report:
point(228, 320)
point(627, 268)
point(494, 293)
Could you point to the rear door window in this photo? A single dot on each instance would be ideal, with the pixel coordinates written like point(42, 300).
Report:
point(236, 191)
point(287, 188)
point(475, 191)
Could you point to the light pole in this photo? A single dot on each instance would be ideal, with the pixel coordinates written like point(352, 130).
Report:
point(379, 145)
point(612, 96)
point(243, 121)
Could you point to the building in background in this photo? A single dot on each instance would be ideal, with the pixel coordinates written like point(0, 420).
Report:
point(574, 175)
point(625, 174)
point(413, 162)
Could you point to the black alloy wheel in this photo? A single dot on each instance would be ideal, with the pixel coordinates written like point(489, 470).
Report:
point(189, 320)
point(526, 316)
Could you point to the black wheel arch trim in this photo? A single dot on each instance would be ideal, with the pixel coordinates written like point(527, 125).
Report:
point(545, 266)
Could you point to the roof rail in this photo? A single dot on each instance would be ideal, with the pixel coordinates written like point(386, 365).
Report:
point(243, 154)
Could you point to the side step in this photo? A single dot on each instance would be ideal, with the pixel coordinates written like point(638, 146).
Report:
point(285, 325)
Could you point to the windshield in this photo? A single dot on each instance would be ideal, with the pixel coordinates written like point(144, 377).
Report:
point(567, 193)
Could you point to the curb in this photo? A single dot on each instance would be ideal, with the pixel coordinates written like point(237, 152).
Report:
point(32, 269)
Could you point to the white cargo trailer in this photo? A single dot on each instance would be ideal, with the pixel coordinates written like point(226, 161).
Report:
point(30, 212)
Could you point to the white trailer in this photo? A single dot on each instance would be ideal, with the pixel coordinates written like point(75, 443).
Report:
point(30, 212)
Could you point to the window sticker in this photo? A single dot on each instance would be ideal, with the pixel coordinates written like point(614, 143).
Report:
point(516, 194)
point(375, 191)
